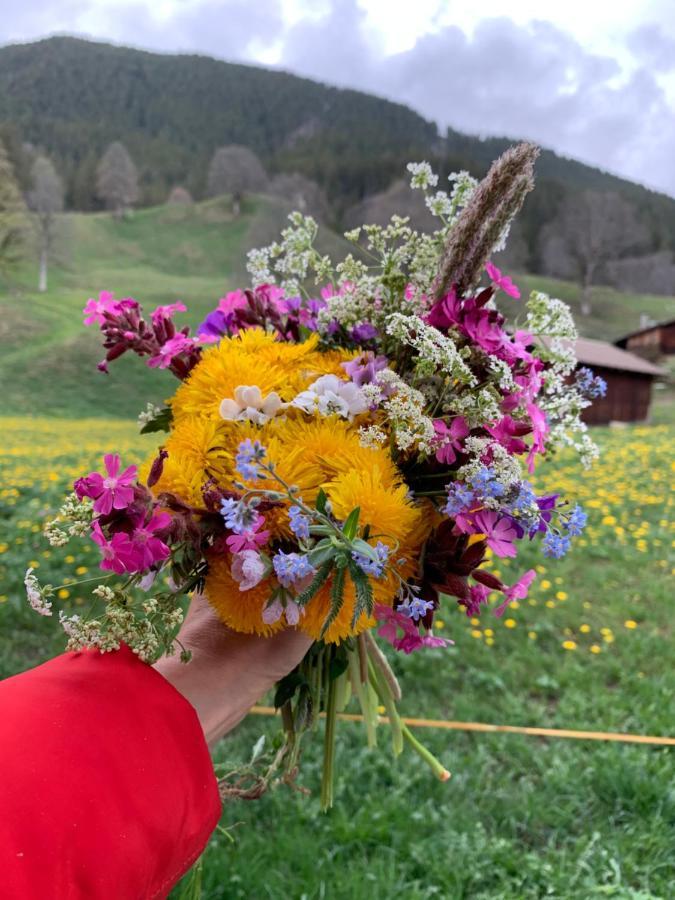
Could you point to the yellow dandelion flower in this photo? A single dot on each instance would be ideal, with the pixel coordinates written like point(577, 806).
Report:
point(569, 645)
point(630, 623)
point(510, 623)
point(595, 648)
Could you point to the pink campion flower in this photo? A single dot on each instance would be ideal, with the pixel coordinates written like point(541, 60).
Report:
point(478, 596)
point(146, 548)
point(117, 552)
point(95, 309)
point(114, 490)
point(250, 539)
point(166, 312)
point(248, 569)
point(540, 429)
point(450, 438)
point(503, 282)
point(507, 432)
point(391, 620)
point(445, 312)
point(498, 530)
point(517, 591)
point(484, 326)
point(172, 348)
point(411, 642)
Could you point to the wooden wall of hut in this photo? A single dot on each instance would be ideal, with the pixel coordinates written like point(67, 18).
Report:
point(627, 399)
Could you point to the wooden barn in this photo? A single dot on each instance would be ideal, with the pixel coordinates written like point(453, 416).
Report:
point(652, 341)
point(629, 382)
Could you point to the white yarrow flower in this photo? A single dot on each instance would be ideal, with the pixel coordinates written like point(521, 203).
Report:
point(37, 596)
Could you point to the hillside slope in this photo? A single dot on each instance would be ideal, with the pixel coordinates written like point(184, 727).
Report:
point(163, 254)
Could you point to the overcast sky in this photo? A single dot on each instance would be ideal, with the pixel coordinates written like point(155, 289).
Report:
point(593, 79)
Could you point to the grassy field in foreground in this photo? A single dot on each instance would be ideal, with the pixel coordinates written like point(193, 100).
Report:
point(160, 255)
point(522, 817)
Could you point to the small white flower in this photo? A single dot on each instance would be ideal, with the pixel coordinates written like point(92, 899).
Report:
point(330, 396)
point(250, 405)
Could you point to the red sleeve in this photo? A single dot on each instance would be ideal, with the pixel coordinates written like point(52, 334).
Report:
point(106, 784)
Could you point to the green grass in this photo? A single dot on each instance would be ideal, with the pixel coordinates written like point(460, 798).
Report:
point(160, 255)
point(522, 817)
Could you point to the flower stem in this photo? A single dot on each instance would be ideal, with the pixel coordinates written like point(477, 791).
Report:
point(329, 748)
point(384, 693)
point(437, 767)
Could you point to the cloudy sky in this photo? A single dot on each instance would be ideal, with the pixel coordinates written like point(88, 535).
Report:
point(593, 79)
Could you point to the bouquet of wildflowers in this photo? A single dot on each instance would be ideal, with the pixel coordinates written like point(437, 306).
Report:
point(347, 445)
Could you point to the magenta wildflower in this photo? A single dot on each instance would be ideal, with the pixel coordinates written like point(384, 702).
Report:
point(498, 530)
point(250, 538)
point(94, 310)
point(450, 439)
point(146, 548)
point(110, 491)
point(517, 591)
point(116, 553)
point(411, 639)
point(172, 348)
point(507, 432)
point(540, 429)
point(503, 282)
point(166, 312)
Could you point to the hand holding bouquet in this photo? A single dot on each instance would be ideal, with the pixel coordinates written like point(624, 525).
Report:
point(347, 446)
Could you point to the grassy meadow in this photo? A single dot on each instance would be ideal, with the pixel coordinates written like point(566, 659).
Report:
point(592, 648)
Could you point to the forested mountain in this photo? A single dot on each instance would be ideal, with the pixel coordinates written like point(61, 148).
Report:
point(70, 98)
point(73, 97)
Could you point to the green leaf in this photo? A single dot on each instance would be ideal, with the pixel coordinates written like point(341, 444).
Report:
point(337, 599)
point(364, 592)
point(321, 553)
point(286, 688)
point(351, 524)
point(365, 549)
point(318, 582)
point(338, 665)
point(321, 501)
point(161, 422)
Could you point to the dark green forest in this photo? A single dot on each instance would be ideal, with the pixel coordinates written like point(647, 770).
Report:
point(70, 98)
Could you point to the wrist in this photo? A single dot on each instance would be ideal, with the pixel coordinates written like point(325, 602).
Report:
point(217, 697)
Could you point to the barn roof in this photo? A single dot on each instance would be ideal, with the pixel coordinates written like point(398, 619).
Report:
point(645, 330)
point(607, 356)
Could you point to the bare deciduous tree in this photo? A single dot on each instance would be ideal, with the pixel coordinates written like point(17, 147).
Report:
point(117, 179)
point(398, 199)
point(235, 170)
point(304, 194)
point(591, 230)
point(12, 216)
point(45, 200)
